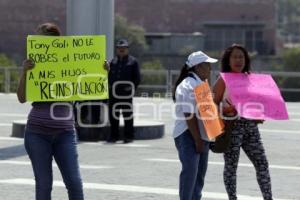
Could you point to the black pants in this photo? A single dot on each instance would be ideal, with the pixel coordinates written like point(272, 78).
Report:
point(246, 136)
point(94, 119)
point(115, 106)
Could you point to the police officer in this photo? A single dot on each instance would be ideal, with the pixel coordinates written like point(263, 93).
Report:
point(123, 79)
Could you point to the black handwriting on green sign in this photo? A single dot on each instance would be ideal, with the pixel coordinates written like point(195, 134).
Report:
point(56, 43)
point(79, 42)
point(43, 56)
point(51, 74)
point(61, 90)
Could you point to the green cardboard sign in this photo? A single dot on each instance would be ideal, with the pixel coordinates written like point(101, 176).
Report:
point(67, 68)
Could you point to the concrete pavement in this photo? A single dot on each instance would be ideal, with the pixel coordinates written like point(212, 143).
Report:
point(149, 169)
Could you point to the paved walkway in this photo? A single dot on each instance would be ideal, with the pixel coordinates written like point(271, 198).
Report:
point(149, 169)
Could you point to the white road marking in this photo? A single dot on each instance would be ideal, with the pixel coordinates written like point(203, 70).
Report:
point(132, 145)
point(279, 131)
point(5, 124)
point(13, 115)
point(292, 107)
point(11, 139)
point(221, 163)
point(27, 163)
point(161, 160)
point(8, 94)
point(294, 120)
point(294, 113)
point(117, 144)
point(130, 188)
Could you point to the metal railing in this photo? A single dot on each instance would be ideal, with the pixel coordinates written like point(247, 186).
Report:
point(9, 79)
point(154, 82)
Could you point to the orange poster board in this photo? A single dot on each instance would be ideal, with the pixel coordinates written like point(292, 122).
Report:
point(208, 111)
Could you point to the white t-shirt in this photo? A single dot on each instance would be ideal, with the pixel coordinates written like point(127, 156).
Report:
point(186, 103)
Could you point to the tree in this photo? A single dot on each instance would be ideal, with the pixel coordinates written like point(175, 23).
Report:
point(135, 35)
point(288, 12)
point(154, 73)
point(154, 64)
point(291, 62)
point(291, 59)
point(6, 62)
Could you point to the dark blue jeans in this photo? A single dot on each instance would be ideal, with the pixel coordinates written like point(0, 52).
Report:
point(62, 147)
point(194, 166)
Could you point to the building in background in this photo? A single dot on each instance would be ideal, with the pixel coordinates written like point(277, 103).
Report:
point(223, 22)
point(20, 18)
point(165, 44)
point(220, 22)
point(171, 48)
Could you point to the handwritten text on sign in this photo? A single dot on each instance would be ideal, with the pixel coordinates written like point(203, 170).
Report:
point(67, 68)
point(255, 96)
point(208, 111)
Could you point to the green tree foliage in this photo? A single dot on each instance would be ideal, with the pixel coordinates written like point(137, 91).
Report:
point(291, 62)
point(288, 12)
point(6, 62)
point(154, 73)
point(291, 59)
point(186, 50)
point(154, 64)
point(133, 33)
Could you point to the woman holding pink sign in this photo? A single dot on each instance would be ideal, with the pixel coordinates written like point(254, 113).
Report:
point(245, 133)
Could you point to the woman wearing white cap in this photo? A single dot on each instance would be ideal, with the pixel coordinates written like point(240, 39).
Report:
point(189, 134)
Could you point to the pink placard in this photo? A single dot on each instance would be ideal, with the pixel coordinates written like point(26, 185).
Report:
point(255, 96)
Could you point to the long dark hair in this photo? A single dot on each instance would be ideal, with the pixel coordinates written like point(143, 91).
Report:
point(48, 29)
point(183, 74)
point(225, 64)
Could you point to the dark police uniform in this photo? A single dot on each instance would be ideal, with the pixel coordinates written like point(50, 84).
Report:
point(124, 78)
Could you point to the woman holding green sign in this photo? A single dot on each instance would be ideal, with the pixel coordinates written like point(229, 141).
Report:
point(50, 133)
point(245, 133)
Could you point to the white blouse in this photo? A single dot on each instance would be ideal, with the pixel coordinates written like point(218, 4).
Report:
point(186, 103)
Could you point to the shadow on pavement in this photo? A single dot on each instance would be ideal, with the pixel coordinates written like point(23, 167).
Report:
point(12, 152)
